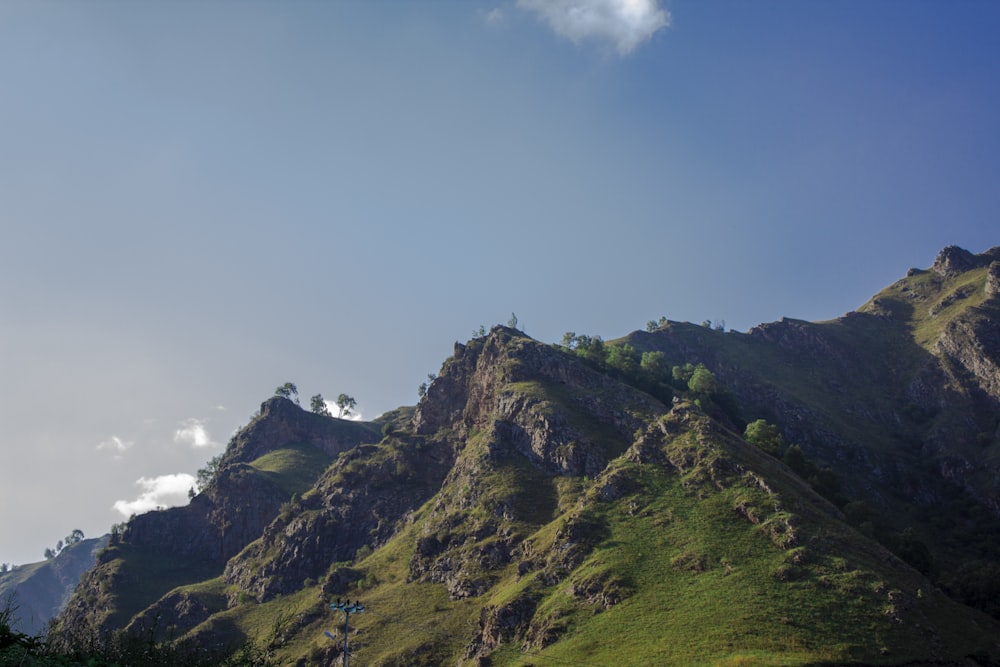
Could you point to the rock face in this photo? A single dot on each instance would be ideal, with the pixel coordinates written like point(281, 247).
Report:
point(954, 260)
point(282, 422)
point(358, 504)
point(472, 394)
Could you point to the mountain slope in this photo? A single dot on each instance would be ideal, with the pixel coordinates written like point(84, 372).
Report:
point(899, 400)
point(39, 591)
point(546, 505)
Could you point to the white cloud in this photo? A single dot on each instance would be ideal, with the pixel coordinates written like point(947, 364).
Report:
point(355, 415)
point(194, 433)
point(626, 23)
point(116, 445)
point(162, 491)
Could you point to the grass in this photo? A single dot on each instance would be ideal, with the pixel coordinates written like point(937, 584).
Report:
point(698, 583)
point(294, 468)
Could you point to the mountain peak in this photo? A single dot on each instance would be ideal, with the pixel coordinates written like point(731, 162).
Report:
point(953, 260)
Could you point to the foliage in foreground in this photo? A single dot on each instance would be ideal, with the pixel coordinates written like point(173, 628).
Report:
point(120, 649)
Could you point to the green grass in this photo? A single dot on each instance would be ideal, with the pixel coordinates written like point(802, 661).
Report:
point(698, 583)
point(294, 468)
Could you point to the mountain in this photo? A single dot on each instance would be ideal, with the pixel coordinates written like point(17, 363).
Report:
point(800, 494)
point(37, 592)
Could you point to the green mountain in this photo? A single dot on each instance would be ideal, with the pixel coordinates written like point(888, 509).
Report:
point(801, 494)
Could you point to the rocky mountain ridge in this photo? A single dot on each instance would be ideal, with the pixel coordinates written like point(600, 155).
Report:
point(540, 493)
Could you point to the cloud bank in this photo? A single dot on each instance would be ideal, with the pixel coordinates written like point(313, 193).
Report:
point(625, 23)
point(162, 491)
point(332, 408)
point(194, 433)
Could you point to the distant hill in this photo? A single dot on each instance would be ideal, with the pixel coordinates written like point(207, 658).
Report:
point(800, 494)
point(39, 591)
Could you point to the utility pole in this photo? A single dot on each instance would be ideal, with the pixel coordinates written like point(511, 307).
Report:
point(348, 608)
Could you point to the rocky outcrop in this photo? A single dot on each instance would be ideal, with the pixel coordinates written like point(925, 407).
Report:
point(171, 616)
point(549, 405)
point(281, 422)
point(513, 397)
point(954, 260)
point(359, 503)
point(499, 624)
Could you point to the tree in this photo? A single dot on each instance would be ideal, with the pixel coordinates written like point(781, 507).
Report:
point(318, 405)
point(422, 389)
point(208, 473)
point(346, 404)
point(75, 537)
point(289, 391)
point(682, 374)
point(623, 357)
point(651, 326)
point(653, 364)
point(569, 340)
point(590, 348)
point(702, 380)
point(796, 460)
point(764, 435)
point(512, 322)
point(49, 553)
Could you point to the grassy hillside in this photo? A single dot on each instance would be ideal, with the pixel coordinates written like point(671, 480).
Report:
point(294, 468)
point(698, 563)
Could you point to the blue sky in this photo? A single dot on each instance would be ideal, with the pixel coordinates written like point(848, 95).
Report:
point(200, 201)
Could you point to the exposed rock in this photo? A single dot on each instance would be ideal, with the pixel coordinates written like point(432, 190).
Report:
point(953, 260)
point(171, 616)
point(473, 392)
point(281, 423)
point(360, 502)
point(993, 279)
point(499, 624)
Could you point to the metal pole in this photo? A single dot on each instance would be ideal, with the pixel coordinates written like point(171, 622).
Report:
point(347, 625)
point(348, 608)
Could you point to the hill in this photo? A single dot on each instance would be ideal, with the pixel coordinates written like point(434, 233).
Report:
point(37, 592)
point(802, 494)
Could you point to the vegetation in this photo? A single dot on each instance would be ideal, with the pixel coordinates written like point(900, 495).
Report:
point(346, 404)
point(318, 406)
point(74, 537)
point(207, 473)
point(118, 649)
point(289, 391)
